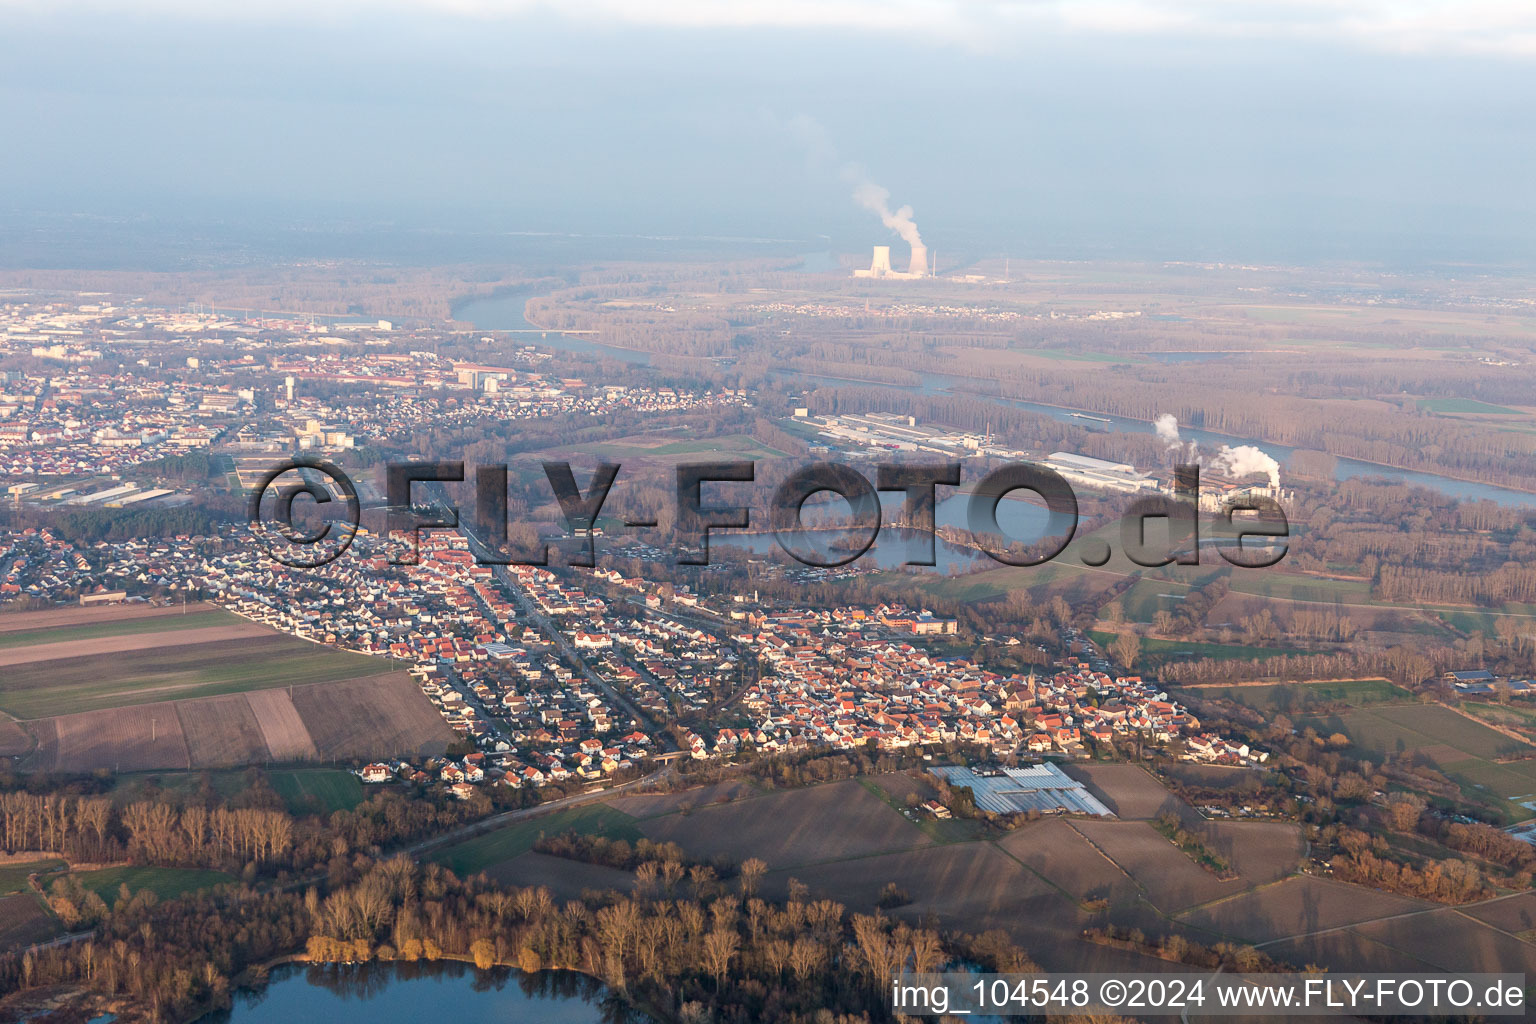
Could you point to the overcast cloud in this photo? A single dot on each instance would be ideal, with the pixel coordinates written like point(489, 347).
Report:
point(1373, 131)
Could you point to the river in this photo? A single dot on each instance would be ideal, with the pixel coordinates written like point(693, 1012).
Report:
point(401, 993)
point(504, 312)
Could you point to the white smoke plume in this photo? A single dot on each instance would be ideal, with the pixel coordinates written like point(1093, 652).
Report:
point(876, 199)
point(1246, 459)
point(1167, 427)
point(1234, 462)
point(822, 154)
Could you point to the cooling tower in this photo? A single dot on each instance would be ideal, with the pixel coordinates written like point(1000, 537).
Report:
point(880, 266)
point(919, 265)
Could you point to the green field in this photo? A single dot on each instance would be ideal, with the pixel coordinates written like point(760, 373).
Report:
point(1470, 405)
point(163, 882)
point(13, 877)
point(948, 830)
point(1166, 650)
point(1462, 748)
point(200, 619)
point(1514, 715)
point(1300, 588)
point(317, 790)
point(225, 784)
point(1470, 621)
point(303, 790)
point(729, 444)
point(481, 852)
point(1291, 698)
point(1147, 597)
point(125, 678)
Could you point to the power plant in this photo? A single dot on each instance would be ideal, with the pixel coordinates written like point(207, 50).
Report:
point(876, 199)
point(880, 265)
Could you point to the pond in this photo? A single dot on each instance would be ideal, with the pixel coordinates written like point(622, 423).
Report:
point(406, 993)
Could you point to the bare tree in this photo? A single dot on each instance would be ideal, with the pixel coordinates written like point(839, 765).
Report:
point(1126, 648)
point(752, 871)
point(719, 950)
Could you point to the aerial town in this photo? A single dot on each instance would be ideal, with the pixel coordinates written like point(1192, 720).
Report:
point(706, 513)
point(152, 634)
point(550, 675)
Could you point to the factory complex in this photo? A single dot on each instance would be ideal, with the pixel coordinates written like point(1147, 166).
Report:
point(1224, 479)
point(892, 432)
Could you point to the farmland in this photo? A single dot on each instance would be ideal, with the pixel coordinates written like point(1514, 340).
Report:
point(565, 879)
point(790, 828)
point(972, 886)
point(1298, 906)
point(1130, 791)
point(14, 740)
point(1057, 852)
point(54, 628)
point(1166, 875)
point(370, 717)
point(63, 662)
point(845, 841)
point(88, 619)
point(92, 682)
point(23, 920)
point(650, 805)
point(376, 716)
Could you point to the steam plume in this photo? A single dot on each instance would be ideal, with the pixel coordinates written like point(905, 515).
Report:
point(1229, 461)
point(1246, 459)
point(822, 155)
point(876, 199)
point(1167, 427)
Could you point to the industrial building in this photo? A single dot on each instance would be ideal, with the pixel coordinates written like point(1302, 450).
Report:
point(1099, 474)
point(1215, 495)
point(893, 432)
point(1043, 788)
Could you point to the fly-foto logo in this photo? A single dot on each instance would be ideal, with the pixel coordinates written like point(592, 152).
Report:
point(1242, 516)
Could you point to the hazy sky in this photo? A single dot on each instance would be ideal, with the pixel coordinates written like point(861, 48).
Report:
point(1179, 128)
